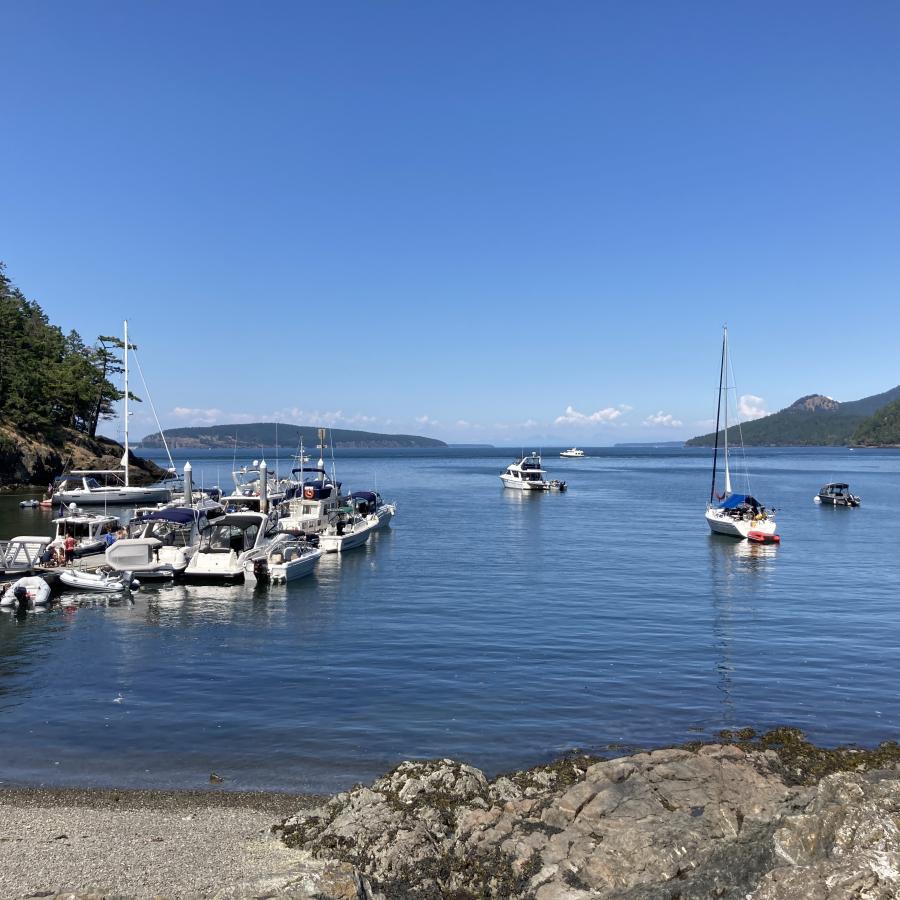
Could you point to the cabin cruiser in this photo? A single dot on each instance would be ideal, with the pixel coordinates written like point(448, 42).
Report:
point(837, 494)
point(247, 493)
point(228, 543)
point(287, 559)
point(93, 533)
point(574, 453)
point(162, 542)
point(371, 503)
point(347, 530)
point(82, 486)
point(525, 475)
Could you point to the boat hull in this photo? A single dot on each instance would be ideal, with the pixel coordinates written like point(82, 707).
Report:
point(720, 523)
point(295, 568)
point(341, 543)
point(115, 496)
point(519, 485)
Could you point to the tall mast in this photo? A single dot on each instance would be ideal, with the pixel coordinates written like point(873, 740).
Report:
point(725, 362)
point(712, 489)
point(125, 359)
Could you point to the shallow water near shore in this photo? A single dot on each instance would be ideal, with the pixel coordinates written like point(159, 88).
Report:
point(487, 626)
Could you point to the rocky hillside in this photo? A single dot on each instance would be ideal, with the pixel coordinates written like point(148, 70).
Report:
point(37, 460)
point(773, 819)
point(812, 421)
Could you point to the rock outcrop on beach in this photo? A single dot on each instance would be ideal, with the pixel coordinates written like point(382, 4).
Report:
point(719, 821)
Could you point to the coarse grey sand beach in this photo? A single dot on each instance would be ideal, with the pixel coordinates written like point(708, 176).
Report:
point(135, 843)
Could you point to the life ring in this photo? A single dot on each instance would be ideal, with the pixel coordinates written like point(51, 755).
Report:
point(309, 492)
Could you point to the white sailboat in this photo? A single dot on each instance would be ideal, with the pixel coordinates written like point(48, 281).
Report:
point(730, 513)
point(82, 487)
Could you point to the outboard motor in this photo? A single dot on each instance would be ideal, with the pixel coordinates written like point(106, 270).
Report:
point(20, 592)
point(260, 569)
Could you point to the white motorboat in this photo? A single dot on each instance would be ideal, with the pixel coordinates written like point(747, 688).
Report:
point(347, 531)
point(26, 592)
point(93, 532)
point(164, 541)
point(287, 559)
point(372, 503)
point(228, 543)
point(98, 582)
point(574, 453)
point(730, 513)
point(526, 474)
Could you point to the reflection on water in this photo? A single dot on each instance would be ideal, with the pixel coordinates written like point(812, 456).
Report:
point(488, 624)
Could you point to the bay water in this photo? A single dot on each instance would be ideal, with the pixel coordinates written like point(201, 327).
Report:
point(493, 627)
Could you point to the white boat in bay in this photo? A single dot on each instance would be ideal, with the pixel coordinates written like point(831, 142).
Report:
point(526, 474)
point(228, 543)
point(163, 542)
point(26, 592)
point(287, 559)
point(734, 514)
point(574, 453)
point(372, 503)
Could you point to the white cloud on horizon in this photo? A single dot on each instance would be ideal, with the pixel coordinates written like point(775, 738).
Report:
point(752, 407)
point(663, 419)
point(605, 416)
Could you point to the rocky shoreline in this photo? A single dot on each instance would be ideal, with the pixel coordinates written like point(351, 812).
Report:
point(769, 818)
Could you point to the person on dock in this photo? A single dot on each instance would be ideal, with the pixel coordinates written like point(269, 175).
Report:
point(70, 549)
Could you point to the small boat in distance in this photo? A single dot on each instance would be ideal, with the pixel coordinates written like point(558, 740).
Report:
point(574, 453)
point(526, 474)
point(837, 494)
point(730, 513)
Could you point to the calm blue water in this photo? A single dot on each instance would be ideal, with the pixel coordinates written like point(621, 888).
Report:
point(484, 625)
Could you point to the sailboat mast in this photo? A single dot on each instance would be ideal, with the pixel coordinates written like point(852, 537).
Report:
point(725, 363)
point(125, 360)
point(712, 489)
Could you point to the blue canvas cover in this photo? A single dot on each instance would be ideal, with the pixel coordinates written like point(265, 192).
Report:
point(736, 500)
point(181, 516)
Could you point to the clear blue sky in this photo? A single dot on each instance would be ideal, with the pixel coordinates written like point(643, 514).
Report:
point(392, 215)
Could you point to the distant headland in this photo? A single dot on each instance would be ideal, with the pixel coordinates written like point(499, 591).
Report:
point(819, 421)
point(275, 434)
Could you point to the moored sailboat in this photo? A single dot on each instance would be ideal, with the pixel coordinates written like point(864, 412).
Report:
point(731, 513)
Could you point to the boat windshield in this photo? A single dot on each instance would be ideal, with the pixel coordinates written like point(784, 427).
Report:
point(230, 536)
point(172, 534)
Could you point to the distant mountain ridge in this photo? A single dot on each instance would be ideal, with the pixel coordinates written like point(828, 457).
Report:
point(271, 434)
point(812, 421)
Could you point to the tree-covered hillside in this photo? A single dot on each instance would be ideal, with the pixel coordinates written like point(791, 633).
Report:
point(268, 434)
point(811, 421)
point(881, 430)
point(50, 380)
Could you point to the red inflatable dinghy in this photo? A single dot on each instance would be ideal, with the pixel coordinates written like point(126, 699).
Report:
point(760, 537)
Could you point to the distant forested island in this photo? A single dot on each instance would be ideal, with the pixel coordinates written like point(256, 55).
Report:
point(819, 421)
point(272, 434)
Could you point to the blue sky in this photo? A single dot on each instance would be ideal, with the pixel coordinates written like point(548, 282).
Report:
point(501, 222)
